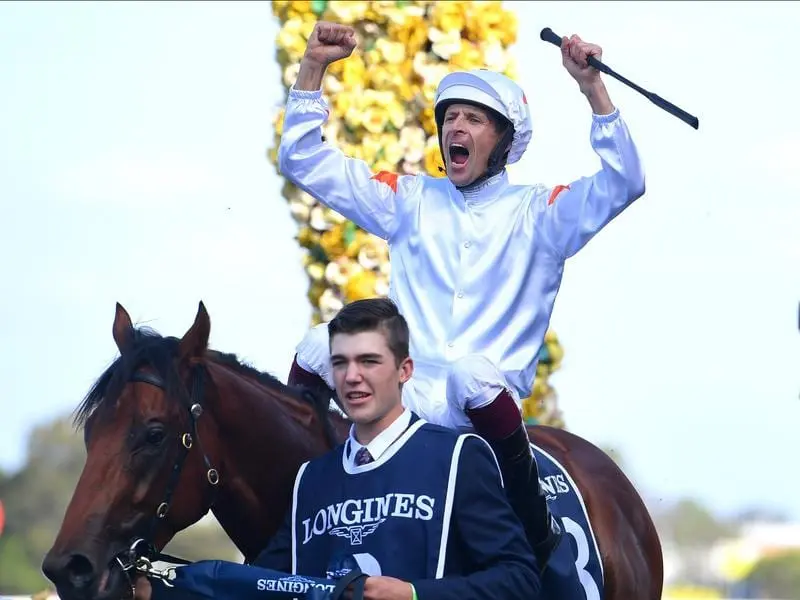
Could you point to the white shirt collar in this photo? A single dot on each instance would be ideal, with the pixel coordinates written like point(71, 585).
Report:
point(380, 444)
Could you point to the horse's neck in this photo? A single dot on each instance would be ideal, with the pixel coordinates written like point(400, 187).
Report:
point(264, 437)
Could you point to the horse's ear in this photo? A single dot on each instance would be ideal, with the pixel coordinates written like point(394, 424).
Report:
point(122, 328)
point(195, 341)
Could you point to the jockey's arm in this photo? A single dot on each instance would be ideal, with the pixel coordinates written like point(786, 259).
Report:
point(570, 216)
point(488, 533)
point(373, 201)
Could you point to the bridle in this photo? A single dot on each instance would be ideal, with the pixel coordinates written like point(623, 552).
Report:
point(142, 551)
point(138, 558)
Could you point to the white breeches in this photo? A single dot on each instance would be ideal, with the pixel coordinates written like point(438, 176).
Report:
point(440, 395)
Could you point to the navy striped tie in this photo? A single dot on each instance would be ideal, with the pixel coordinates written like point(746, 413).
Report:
point(363, 457)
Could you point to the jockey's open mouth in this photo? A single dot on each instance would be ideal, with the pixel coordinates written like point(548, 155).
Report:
point(459, 155)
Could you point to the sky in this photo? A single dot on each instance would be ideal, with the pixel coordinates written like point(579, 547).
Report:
point(133, 169)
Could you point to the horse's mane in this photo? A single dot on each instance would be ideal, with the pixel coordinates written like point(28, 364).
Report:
point(147, 346)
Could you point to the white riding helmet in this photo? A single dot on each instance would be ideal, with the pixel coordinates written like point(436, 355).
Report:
point(491, 90)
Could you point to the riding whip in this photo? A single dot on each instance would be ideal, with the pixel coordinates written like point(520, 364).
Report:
point(548, 35)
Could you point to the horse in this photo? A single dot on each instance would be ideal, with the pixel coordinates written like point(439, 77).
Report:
point(174, 429)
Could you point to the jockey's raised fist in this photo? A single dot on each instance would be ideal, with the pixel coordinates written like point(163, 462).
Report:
point(330, 42)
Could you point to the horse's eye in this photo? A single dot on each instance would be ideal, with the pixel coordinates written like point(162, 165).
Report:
point(155, 435)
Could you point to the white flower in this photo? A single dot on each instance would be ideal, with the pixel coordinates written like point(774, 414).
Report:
point(329, 304)
point(318, 220)
point(445, 44)
point(290, 74)
point(300, 211)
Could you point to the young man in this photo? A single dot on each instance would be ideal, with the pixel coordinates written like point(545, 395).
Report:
point(476, 262)
point(418, 507)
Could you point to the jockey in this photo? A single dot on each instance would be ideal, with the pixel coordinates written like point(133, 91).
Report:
point(476, 261)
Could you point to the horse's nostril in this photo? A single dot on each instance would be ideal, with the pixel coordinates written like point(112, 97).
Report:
point(74, 571)
point(79, 570)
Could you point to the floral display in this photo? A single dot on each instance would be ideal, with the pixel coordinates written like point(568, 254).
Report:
point(541, 407)
point(381, 100)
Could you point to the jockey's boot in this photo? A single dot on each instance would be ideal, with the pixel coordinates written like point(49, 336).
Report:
point(521, 477)
point(520, 472)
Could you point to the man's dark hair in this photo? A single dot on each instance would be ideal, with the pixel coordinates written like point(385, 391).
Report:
point(374, 314)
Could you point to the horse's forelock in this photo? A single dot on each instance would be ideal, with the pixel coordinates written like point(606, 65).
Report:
point(146, 347)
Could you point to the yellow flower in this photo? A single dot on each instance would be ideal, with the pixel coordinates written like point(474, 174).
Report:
point(293, 36)
point(434, 165)
point(307, 237)
point(316, 271)
point(373, 58)
point(391, 148)
point(371, 148)
point(380, 11)
point(397, 114)
point(372, 97)
point(410, 31)
point(360, 286)
point(428, 120)
point(333, 217)
point(353, 71)
point(332, 241)
point(288, 9)
point(277, 121)
point(393, 78)
point(393, 52)
point(468, 57)
point(348, 11)
point(376, 119)
point(487, 21)
point(339, 271)
point(448, 16)
point(279, 8)
point(354, 247)
point(540, 389)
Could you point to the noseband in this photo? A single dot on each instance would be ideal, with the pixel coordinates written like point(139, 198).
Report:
point(142, 551)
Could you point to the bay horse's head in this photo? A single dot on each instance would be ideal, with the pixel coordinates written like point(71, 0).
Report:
point(144, 431)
